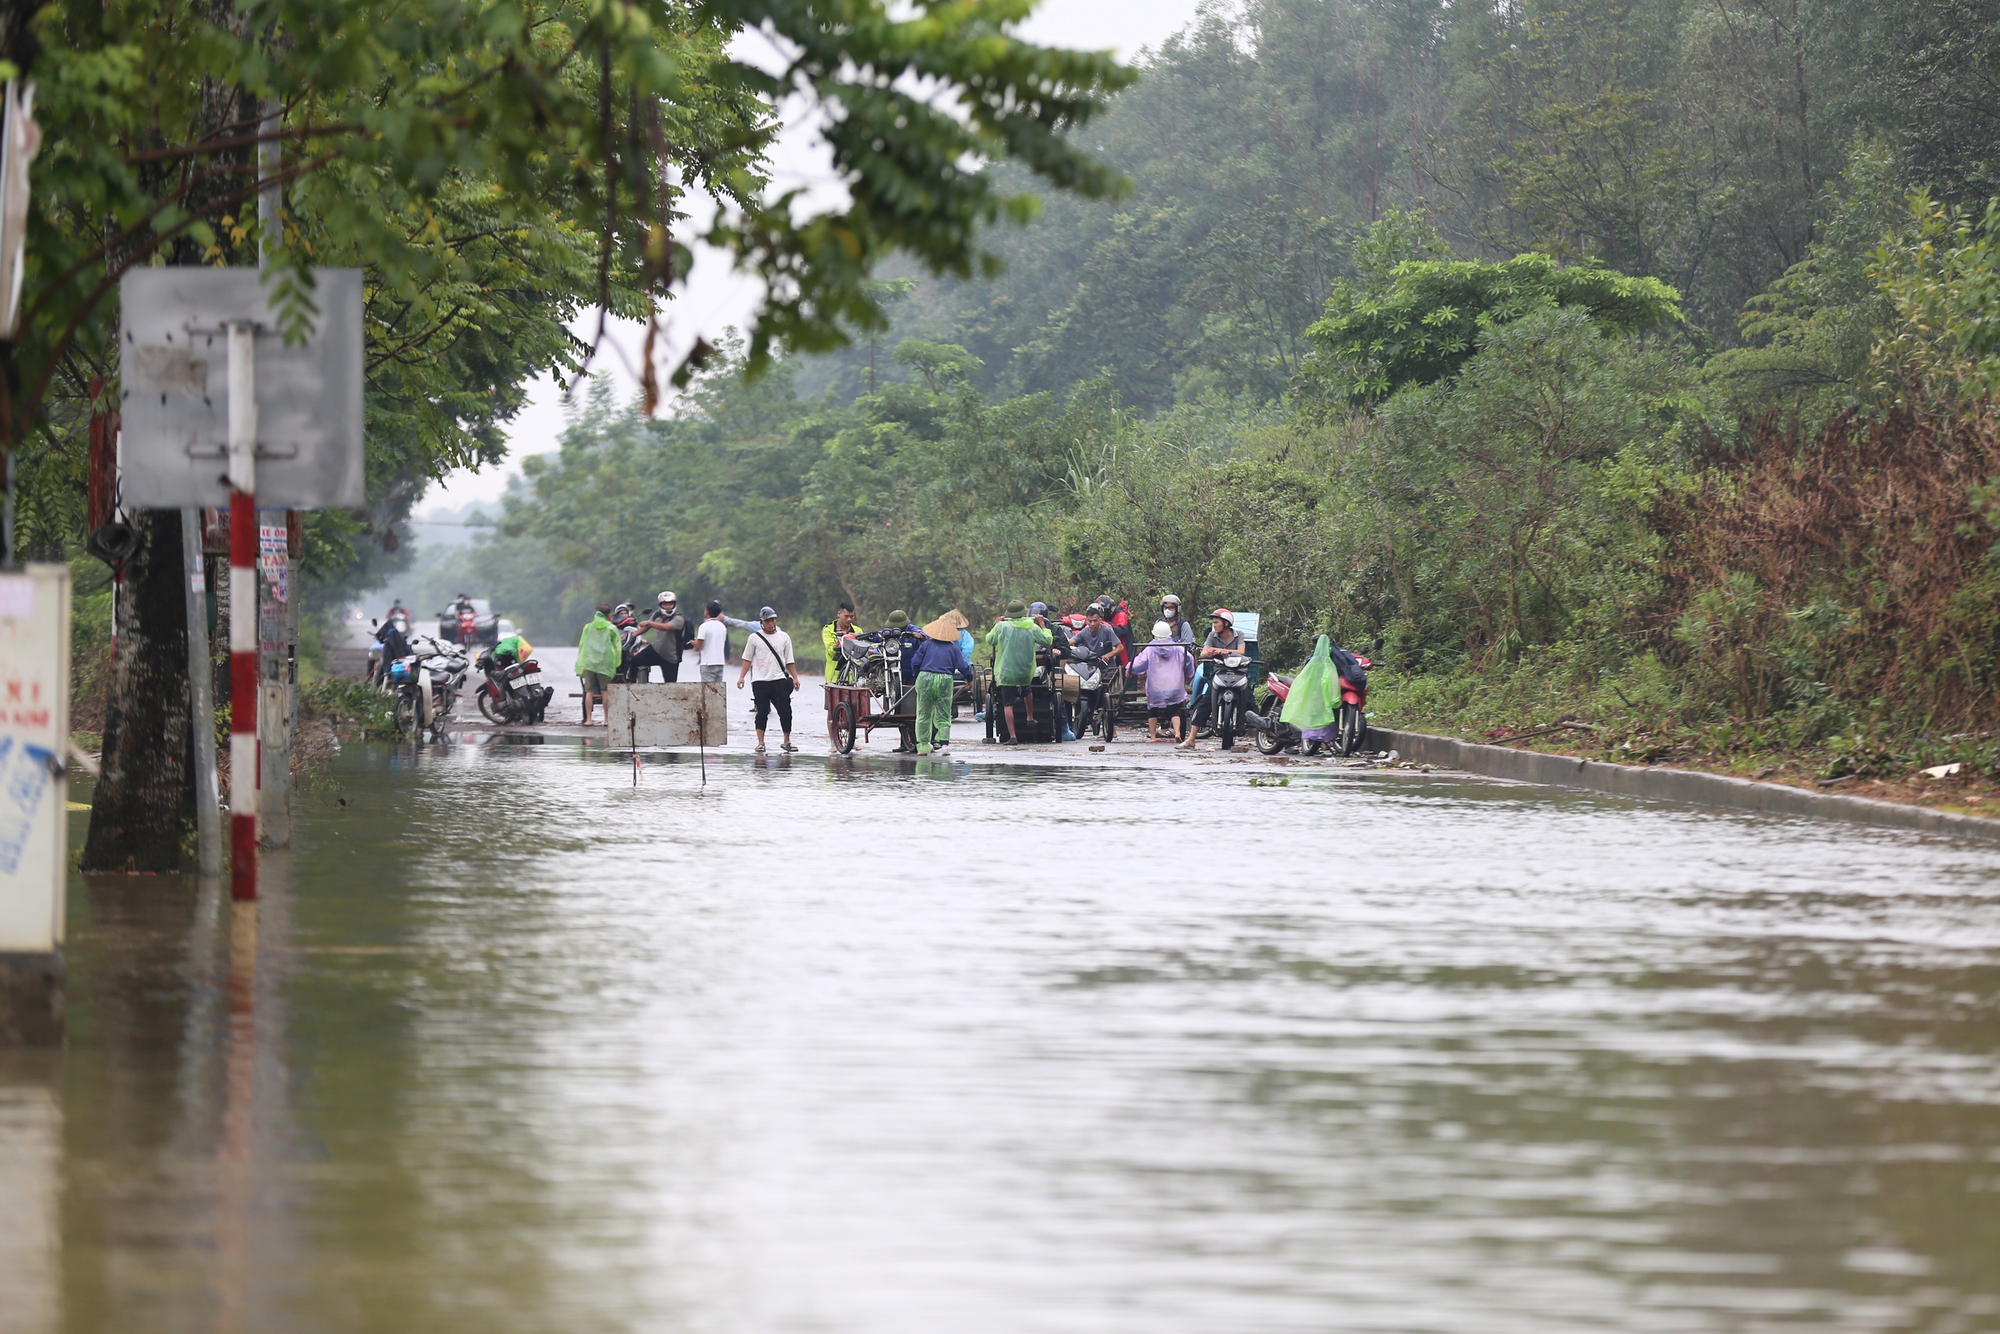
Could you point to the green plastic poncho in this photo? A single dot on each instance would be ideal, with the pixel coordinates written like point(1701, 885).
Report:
point(598, 650)
point(1014, 644)
point(1314, 700)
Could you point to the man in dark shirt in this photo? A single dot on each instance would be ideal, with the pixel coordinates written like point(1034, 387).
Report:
point(1096, 638)
point(665, 632)
point(1222, 641)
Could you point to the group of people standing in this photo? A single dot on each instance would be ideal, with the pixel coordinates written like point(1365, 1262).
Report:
point(1102, 630)
point(617, 639)
point(934, 656)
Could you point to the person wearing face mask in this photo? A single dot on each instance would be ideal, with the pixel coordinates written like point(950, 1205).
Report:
point(665, 632)
point(1178, 628)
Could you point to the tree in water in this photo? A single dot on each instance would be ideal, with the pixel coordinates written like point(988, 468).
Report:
point(144, 803)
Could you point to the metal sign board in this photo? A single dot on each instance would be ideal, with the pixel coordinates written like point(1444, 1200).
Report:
point(669, 713)
point(174, 367)
point(34, 735)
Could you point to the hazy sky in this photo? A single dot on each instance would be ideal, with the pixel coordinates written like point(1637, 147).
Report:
point(716, 297)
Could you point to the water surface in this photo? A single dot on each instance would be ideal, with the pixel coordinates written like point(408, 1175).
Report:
point(882, 1047)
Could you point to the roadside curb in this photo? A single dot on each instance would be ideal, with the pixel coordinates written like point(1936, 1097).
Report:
point(1683, 785)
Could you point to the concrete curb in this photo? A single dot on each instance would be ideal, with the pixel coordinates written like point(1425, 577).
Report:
point(1685, 785)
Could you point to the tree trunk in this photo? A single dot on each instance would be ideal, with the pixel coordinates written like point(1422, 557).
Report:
point(144, 807)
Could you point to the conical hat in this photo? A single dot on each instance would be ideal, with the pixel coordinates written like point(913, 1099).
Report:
point(946, 627)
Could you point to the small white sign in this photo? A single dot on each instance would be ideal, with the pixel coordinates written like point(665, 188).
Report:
point(34, 732)
point(17, 595)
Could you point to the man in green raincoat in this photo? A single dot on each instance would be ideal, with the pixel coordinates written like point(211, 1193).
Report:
point(1014, 642)
point(597, 656)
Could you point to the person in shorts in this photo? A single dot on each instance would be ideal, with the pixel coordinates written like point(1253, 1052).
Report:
point(1015, 640)
point(768, 657)
point(597, 655)
point(712, 643)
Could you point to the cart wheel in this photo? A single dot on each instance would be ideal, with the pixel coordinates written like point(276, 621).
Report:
point(840, 728)
point(1110, 715)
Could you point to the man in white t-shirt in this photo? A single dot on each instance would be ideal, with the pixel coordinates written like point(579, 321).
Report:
point(768, 659)
point(712, 644)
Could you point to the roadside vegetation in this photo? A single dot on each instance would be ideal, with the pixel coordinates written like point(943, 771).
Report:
point(1559, 359)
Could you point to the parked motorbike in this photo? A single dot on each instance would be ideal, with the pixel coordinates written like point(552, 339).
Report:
point(444, 670)
point(1350, 729)
point(1273, 734)
point(412, 710)
point(513, 693)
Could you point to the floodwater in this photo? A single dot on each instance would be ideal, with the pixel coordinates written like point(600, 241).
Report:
point(522, 1040)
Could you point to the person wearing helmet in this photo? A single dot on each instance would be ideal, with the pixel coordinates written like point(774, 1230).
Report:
point(666, 631)
point(1222, 641)
point(1178, 628)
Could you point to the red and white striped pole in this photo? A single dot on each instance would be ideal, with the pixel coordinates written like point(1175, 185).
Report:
point(244, 762)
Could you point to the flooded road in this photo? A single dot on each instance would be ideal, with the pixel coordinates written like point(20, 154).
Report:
point(907, 1047)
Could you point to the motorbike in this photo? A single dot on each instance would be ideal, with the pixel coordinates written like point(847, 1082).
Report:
point(1097, 695)
point(391, 633)
point(877, 666)
point(1350, 721)
point(1229, 695)
point(426, 684)
point(513, 693)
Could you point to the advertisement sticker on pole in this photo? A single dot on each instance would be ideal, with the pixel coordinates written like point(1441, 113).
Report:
point(34, 738)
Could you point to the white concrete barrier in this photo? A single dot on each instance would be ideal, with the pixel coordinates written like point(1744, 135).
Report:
point(671, 713)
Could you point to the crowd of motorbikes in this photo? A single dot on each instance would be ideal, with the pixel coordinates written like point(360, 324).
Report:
point(428, 674)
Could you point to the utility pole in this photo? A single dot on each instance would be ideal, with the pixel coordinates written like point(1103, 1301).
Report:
point(201, 697)
point(276, 605)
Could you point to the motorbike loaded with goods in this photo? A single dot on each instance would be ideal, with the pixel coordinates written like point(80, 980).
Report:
point(426, 682)
point(866, 689)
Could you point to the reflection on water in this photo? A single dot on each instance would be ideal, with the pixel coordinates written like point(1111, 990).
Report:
point(532, 1039)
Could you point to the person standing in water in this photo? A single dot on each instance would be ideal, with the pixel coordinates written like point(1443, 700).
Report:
point(768, 657)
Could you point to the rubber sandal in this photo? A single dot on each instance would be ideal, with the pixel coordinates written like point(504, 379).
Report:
point(760, 750)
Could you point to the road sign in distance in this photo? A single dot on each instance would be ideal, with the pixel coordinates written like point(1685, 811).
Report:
point(174, 365)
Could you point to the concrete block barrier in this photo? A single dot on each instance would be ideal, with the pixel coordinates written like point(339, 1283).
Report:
point(1683, 785)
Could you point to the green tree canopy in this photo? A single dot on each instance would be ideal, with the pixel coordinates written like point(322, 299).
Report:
point(1426, 322)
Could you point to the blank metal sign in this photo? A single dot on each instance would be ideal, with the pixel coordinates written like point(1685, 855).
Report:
point(174, 364)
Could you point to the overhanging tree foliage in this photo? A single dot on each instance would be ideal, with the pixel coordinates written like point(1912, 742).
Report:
point(497, 167)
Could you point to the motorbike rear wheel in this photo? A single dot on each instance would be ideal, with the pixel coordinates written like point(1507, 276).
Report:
point(1352, 729)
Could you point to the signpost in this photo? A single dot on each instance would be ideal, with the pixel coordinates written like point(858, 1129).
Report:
point(34, 798)
point(220, 408)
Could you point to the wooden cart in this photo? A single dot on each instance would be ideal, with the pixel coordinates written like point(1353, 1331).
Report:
point(850, 711)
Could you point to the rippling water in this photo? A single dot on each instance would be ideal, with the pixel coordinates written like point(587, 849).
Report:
point(881, 1047)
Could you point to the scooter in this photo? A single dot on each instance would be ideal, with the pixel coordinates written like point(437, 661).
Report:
point(1229, 696)
point(1096, 695)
